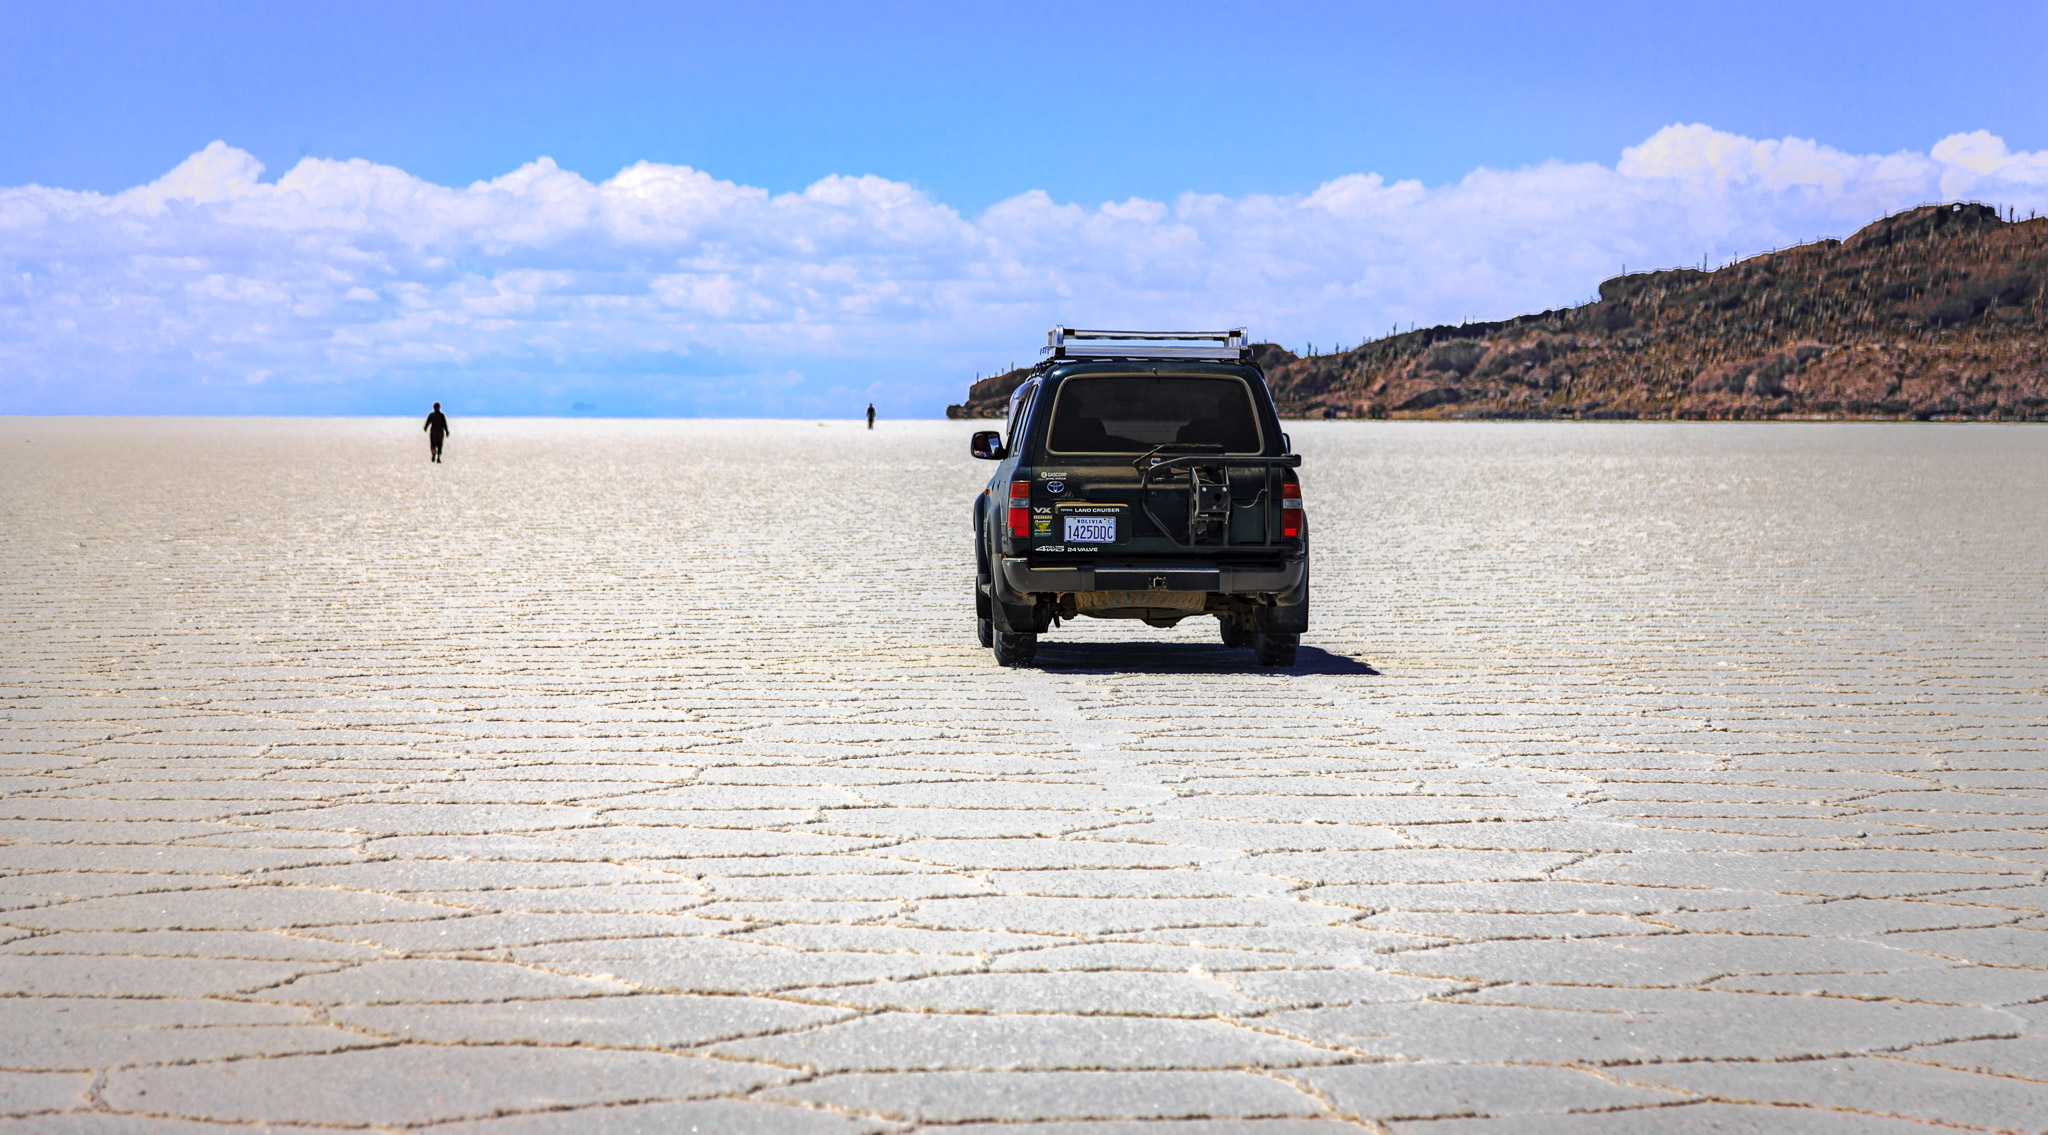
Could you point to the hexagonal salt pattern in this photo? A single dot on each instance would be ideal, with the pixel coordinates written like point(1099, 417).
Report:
point(646, 777)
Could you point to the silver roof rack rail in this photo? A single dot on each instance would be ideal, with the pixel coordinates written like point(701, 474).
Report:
point(1075, 343)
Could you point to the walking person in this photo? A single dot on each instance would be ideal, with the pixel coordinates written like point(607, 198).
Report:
point(871, 415)
point(437, 428)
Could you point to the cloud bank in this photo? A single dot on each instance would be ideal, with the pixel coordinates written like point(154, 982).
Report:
point(351, 286)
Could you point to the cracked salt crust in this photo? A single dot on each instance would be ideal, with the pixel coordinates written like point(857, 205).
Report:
point(651, 778)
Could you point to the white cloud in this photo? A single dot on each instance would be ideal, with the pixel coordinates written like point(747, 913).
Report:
point(670, 288)
point(217, 173)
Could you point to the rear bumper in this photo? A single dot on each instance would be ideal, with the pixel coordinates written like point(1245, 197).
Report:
point(1021, 578)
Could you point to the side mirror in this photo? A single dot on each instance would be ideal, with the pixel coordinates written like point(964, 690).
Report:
point(987, 445)
point(1286, 444)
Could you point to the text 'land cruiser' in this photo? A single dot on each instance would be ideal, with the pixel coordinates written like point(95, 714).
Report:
point(1144, 477)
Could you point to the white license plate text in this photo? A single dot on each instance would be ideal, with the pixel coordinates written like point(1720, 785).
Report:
point(1091, 530)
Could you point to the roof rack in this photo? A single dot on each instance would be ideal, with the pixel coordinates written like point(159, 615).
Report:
point(1075, 343)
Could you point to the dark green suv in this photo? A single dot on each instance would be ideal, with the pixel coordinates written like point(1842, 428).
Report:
point(1144, 477)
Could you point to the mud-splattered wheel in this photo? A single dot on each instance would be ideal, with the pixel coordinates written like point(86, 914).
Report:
point(987, 630)
point(1235, 633)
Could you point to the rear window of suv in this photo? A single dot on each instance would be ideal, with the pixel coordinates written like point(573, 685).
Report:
point(1137, 413)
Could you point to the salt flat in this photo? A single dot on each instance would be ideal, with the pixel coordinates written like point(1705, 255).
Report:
point(646, 776)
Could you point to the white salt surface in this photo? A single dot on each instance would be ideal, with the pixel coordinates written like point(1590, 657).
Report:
point(636, 776)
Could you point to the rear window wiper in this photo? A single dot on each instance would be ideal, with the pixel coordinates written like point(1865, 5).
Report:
point(1175, 447)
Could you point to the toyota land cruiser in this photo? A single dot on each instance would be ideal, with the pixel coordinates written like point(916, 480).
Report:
point(1144, 476)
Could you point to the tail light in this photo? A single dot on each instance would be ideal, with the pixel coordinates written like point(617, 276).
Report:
point(1020, 509)
point(1290, 508)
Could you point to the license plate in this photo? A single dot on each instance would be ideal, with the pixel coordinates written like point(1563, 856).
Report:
point(1091, 530)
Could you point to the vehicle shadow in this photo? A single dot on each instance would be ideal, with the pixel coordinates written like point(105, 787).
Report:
point(1183, 658)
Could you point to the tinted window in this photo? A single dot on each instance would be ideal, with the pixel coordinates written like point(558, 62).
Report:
point(1134, 414)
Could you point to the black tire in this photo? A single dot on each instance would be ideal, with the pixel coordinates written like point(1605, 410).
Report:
point(1015, 649)
point(982, 603)
point(1275, 649)
point(1234, 633)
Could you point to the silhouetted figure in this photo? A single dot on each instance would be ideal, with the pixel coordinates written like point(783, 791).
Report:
point(871, 415)
point(437, 428)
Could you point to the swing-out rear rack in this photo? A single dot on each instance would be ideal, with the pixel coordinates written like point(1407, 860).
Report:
point(1216, 535)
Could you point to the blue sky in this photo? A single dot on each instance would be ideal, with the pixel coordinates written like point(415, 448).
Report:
point(956, 160)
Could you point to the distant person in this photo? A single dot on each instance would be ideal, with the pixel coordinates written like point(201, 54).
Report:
point(871, 415)
point(437, 428)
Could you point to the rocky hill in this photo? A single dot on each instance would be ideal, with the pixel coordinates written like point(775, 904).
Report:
point(1938, 312)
